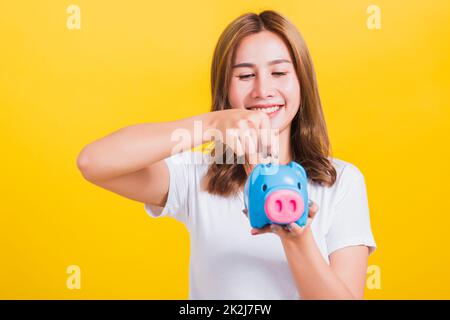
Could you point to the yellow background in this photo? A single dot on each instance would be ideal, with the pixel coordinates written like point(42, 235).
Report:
point(385, 95)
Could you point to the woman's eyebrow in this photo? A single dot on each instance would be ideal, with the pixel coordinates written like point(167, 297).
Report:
point(250, 65)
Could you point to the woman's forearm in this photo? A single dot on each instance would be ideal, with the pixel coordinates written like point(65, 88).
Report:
point(313, 277)
point(132, 148)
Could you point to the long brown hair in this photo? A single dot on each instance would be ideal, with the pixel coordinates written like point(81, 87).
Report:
point(309, 143)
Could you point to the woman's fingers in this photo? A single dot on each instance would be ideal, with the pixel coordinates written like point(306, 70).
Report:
point(249, 137)
point(254, 138)
point(264, 134)
point(266, 229)
point(274, 145)
point(313, 208)
point(282, 231)
point(233, 141)
point(292, 229)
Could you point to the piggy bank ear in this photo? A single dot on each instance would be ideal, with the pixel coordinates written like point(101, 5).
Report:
point(294, 165)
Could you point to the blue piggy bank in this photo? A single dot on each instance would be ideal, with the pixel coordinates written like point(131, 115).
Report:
point(276, 194)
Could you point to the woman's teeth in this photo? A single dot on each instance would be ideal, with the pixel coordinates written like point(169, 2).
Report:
point(268, 110)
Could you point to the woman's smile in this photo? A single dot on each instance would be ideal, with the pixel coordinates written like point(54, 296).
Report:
point(271, 110)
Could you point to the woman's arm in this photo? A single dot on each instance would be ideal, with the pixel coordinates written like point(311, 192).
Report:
point(344, 278)
point(130, 161)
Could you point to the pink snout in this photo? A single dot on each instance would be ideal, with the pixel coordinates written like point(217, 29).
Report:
point(284, 206)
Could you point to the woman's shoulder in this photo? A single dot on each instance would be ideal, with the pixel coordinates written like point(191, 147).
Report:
point(348, 176)
point(346, 170)
point(349, 182)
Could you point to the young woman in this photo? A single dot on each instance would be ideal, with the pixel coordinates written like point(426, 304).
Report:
point(262, 77)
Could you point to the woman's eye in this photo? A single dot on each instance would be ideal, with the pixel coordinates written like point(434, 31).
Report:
point(280, 73)
point(245, 76)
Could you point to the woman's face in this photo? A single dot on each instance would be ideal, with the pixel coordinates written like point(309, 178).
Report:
point(263, 76)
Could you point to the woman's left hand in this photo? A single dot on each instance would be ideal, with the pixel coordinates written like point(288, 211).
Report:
point(292, 230)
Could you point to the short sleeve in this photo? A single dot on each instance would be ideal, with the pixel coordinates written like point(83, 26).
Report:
point(350, 220)
point(176, 205)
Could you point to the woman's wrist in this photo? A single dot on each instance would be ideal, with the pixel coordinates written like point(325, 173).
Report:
point(299, 243)
point(197, 127)
point(209, 121)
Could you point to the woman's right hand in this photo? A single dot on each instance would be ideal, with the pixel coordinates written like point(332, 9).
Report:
point(246, 132)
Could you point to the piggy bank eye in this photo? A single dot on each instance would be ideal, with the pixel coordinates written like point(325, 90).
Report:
point(299, 185)
point(264, 187)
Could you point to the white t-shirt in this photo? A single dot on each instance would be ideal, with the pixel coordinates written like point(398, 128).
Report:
point(226, 261)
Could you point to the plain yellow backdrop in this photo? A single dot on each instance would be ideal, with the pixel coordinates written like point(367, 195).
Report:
point(385, 95)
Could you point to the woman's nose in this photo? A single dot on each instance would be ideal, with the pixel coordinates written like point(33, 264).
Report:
point(263, 88)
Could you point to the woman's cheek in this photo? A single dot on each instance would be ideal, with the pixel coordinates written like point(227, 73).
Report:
point(291, 85)
point(237, 93)
point(292, 90)
point(233, 95)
